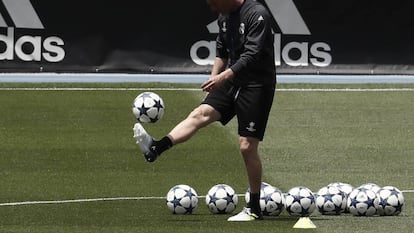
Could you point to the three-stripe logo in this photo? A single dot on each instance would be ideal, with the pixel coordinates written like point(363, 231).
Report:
point(22, 14)
point(290, 22)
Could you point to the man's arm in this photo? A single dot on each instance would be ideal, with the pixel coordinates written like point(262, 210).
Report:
point(218, 66)
point(257, 30)
point(218, 75)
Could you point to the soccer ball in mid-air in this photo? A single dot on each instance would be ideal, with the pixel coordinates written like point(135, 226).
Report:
point(330, 200)
point(148, 107)
point(221, 199)
point(300, 202)
point(182, 199)
point(390, 201)
point(362, 202)
point(271, 199)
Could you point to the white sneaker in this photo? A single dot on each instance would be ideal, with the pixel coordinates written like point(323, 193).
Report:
point(145, 142)
point(245, 215)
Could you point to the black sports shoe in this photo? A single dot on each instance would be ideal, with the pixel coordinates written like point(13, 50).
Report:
point(151, 155)
point(145, 142)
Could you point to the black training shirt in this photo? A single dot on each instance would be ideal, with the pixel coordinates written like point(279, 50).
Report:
point(246, 40)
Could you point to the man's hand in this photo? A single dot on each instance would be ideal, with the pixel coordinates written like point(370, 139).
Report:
point(212, 83)
point(216, 80)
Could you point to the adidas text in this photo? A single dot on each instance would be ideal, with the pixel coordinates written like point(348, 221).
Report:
point(30, 48)
point(317, 54)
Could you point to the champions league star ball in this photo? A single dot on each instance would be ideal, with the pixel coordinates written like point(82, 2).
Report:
point(362, 202)
point(331, 201)
point(271, 199)
point(300, 202)
point(182, 199)
point(390, 201)
point(345, 188)
point(148, 107)
point(221, 199)
point(371, 186)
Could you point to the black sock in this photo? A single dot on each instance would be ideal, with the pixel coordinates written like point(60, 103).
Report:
point(162, 145)
point(254, 203)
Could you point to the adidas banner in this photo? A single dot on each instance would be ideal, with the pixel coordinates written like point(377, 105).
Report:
point(320, 36)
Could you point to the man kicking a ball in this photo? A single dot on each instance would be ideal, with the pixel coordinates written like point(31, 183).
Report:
point(242, 84)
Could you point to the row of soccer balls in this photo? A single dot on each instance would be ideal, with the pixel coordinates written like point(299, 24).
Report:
point(333, 199)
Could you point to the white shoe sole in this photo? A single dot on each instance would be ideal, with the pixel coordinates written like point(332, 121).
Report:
point(244, 216)
point(143, 139)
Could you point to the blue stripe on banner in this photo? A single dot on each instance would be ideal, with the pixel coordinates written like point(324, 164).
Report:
point(194, 78)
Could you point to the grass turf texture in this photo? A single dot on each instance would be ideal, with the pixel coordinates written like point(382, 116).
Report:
point(58, 145)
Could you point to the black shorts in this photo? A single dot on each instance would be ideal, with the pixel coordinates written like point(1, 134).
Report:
point(251, 104)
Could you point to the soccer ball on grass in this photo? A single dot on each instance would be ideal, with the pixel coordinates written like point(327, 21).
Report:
point(331, 201)
point(390, 201)
point(371, 186)
point(182, 199)
point(362, 202)
point(300, 202)
point(221, 199)
point(271, 199)
point(345, 188)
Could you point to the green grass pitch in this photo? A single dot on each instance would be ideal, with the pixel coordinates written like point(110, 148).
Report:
point(77, 144)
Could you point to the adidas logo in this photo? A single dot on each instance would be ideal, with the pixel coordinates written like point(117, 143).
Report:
point(20, 14)
point(290, 22)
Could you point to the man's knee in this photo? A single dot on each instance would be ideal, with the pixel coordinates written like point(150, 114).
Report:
point(204, 114)
point(248, 145)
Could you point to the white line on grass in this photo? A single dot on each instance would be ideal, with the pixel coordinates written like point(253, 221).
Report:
point(107, 199)
point(80, 200)
point(85, 200)
point(198, 89)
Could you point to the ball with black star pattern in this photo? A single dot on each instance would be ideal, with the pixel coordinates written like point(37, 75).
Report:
point(390, 201)
point(331, 201)
point(182, 199)
point(271, 201)
point(362, 202)
point(221, 199)
point(300, 202)
point(148, 107)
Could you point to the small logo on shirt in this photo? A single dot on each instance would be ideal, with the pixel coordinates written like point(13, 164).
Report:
point(251, 127)
point(224, 29)
point(241, 28)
